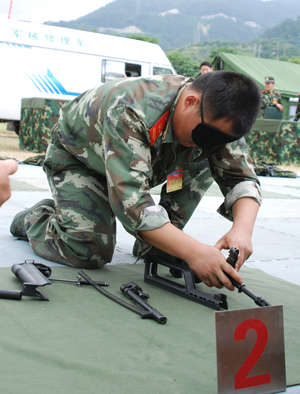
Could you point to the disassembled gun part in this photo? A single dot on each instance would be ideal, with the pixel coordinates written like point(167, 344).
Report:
point(232, 259)
point(131, 290)
point(189, 290)
point(31, 277)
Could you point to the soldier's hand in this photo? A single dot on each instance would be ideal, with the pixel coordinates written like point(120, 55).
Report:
point(210, 266)
point(7, 167)
point(240, 240)
point(280, 107)
point(207, 262)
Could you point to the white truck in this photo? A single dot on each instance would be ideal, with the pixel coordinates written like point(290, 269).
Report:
point(58, 63)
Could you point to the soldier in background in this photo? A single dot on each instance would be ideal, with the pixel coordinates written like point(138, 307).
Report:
point(297, 115)
point(270, 98)
point(115, 142)
point(206, 67)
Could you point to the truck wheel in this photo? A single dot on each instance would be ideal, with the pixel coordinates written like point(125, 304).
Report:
point(13, 126)
point(17, 127)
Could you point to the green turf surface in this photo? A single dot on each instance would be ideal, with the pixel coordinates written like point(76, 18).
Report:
point(82, 342)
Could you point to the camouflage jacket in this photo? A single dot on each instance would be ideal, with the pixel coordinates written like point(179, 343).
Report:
point(123, 130)
point(297, 114)
point(269, 100)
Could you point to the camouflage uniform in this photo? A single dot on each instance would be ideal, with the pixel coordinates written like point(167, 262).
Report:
point(269, 100)
point(297, 115)
point(279, 147)
point(109, 147)
point(38, 116)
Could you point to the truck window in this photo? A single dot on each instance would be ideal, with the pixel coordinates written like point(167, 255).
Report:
point(160, 71)
point(293, 102)
point(112, 70)
point(133, 70)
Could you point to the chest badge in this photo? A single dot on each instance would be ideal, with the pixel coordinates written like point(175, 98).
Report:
point(174, 180)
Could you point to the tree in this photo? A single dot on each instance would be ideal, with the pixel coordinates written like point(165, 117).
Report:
point(184, 65)
point(284, 58)
point(294, 59)
point(216, 51)
point(144, 38)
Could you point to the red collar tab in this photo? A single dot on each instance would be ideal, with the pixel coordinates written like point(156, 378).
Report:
point(157, 129)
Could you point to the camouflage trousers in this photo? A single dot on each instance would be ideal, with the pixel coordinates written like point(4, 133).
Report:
point(81, 230)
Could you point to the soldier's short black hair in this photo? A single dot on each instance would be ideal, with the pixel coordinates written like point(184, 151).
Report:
point(229, 95)
point(208, 64)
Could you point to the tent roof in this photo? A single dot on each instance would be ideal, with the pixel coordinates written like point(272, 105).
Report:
point(286, 74)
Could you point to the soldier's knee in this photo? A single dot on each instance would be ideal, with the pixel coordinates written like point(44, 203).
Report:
point(80, 250)
point(96, 256)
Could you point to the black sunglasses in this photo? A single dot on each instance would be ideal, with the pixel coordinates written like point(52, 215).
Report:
point(207, 136)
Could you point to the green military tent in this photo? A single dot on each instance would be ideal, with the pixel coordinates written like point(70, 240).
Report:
point(286, 74)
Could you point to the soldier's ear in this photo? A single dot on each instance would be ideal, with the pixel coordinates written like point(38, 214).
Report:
point(191, 100)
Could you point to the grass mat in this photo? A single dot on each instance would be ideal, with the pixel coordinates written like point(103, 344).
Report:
point(81, 341)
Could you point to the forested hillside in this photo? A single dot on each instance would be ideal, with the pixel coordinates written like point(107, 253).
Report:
point(287, 31)
point(176, 23)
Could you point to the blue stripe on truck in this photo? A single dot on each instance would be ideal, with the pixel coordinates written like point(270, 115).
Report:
point(46, 83)
point(58, 85)
point(15, 45)
point(33, 82)
point(49, 84)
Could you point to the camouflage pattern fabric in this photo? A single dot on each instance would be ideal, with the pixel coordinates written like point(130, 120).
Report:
point(269, 100)
point(297, 115)
point(35, 160)
point(269, 169)
point(278, 148)
point(37, 122)
point(108, 149)
point(82, 230)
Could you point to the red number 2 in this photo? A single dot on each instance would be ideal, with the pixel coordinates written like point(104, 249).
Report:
point(240, 379)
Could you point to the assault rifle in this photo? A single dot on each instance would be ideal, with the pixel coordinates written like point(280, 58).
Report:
point(179, 269)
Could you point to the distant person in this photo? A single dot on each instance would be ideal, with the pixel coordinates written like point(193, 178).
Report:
point(270, 98)
point(297, 114)
point(206, 67)
point(7, 167)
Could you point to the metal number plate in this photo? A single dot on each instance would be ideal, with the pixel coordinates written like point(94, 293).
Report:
point(250, 351)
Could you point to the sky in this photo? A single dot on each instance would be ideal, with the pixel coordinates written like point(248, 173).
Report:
point(40, 11)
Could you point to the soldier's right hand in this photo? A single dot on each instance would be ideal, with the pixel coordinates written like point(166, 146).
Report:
point(210, 266)
point(207, 262)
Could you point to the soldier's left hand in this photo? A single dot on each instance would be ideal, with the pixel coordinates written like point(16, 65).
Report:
point(240, 241)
